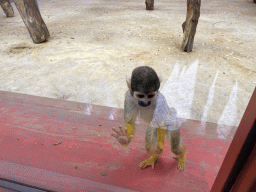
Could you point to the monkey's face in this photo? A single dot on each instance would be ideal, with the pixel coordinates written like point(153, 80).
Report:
point(143, 85)
point(144, 100)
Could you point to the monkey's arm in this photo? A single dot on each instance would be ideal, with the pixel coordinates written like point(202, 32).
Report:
point(130, 115)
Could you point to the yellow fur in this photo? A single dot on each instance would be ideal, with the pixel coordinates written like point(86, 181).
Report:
point(130, 131)
point(160, 137)
point(182, 160)
point(155, 153)
point(150, 161)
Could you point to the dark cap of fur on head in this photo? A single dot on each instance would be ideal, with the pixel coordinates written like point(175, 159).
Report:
point(144, 79)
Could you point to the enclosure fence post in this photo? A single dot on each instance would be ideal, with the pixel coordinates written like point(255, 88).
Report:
point(189, 26)
point(31, 16)
point(6, 6)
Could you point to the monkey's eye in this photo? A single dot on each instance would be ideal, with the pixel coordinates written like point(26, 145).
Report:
point(140, 96)
point(151, 96)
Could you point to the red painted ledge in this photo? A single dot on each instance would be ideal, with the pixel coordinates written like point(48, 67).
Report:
point(88, 158)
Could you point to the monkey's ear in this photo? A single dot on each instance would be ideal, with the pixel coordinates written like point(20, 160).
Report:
point(160, 78)
point(128, 81)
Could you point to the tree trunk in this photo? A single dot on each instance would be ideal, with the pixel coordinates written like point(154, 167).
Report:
point(189, 26)
point(149, 4)
point(31, 16)
point(5, 4)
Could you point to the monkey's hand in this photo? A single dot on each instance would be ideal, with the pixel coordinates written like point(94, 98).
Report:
point(121, 136)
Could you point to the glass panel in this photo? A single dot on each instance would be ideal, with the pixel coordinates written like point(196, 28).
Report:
point(60, 99)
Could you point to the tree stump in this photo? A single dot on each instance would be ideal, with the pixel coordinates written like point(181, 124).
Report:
point(31, 16)
point(189, 26)
point(149, 4)
point(5, 4)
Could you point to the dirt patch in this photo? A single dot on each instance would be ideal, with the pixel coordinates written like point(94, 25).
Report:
point(20, 48)
point(95, 44)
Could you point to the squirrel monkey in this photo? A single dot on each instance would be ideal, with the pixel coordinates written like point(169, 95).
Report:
point(144, 99)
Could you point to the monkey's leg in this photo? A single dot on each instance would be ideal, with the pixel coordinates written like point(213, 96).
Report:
point(154, 142)
point(173, 137)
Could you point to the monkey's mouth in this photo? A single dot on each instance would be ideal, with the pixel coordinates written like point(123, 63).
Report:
point(142, 104)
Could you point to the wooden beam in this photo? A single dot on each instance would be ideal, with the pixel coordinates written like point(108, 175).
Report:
point(225, 176)
point(149, 4)
point(31, 16)
point(189, 26)
point(246, 178)
point(7, 7)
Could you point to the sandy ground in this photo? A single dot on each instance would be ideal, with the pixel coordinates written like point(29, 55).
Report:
point(95, 44)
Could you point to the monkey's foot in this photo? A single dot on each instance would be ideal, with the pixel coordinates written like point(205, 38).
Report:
point(150, 161)
point(181, 161)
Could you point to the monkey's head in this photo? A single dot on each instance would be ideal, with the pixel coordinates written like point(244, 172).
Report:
point(144, 85)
